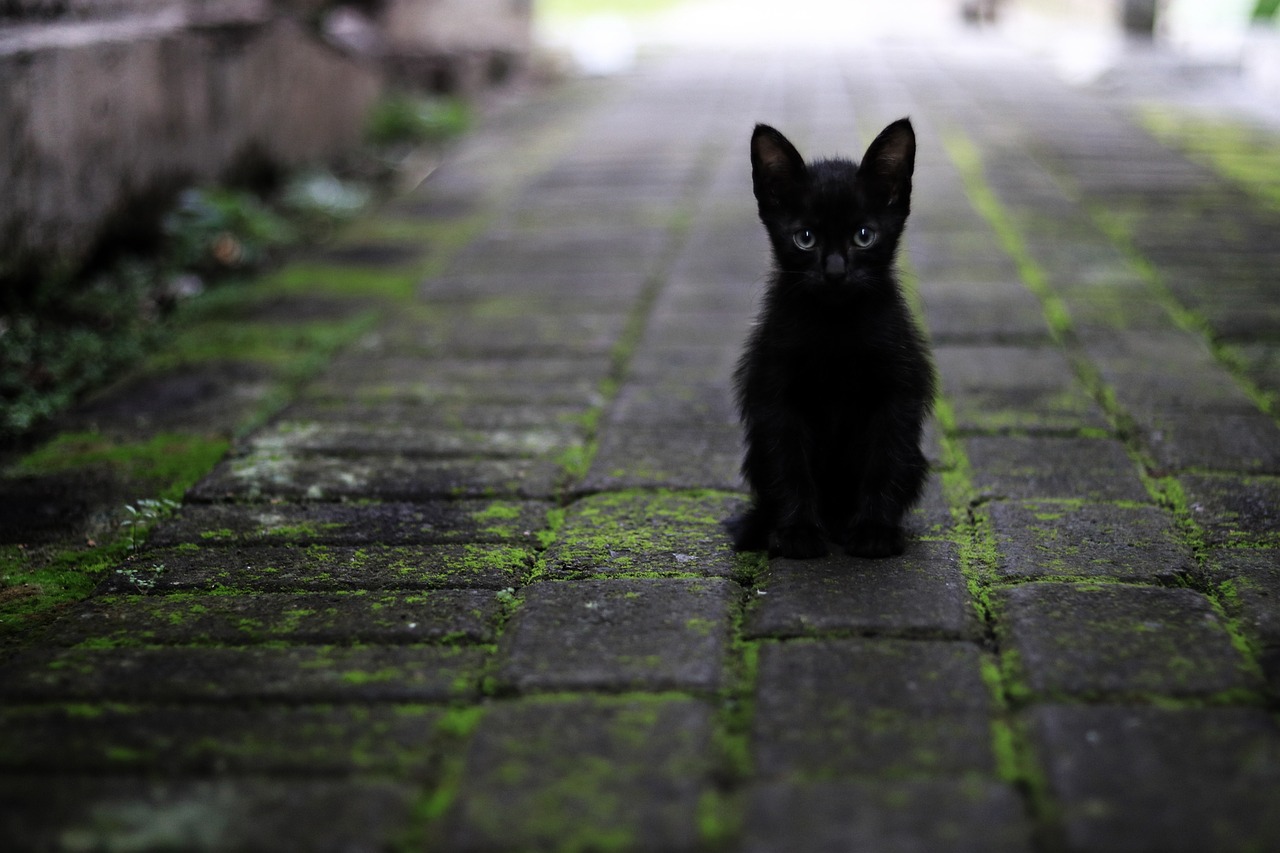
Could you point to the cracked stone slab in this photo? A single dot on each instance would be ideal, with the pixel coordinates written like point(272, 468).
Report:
point(271, 475)
point(319, 568)
point(491, 521)
point(467, 615)
point(315, 740)
point(1030, 467)
point(588, 773)
point(921, 593)
point(646, 533)
point(1161, 779)
point(1047, 539)
point(830, 816)
point(121, 812)
point(834, 708)
point(294, 674)
point(646, 634)
point(1114, 640)
point(1015, 388)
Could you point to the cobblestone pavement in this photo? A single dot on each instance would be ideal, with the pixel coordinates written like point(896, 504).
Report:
point(471, 589)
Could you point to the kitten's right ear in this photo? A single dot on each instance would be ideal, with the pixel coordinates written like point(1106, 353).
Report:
point(777, 169)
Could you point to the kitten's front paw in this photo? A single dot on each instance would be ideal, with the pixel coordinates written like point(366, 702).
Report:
point(875, 541)
point(800, 542)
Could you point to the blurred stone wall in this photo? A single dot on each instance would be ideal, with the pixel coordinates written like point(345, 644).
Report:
point(109, 107)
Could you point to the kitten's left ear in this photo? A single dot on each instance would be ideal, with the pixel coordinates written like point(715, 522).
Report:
point(777, 169)
point(890, 161)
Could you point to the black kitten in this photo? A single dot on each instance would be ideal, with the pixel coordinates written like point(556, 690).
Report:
point(836, 381)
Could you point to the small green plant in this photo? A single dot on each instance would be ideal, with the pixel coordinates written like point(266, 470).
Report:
point(215, 229)
point(142, 579)
point(413, 119)
point(142, 516)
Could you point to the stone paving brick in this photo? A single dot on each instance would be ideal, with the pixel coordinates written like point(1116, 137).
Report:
point(485, 521)
point(270, 475)
point(691, 458)
point(572, 249)
point(895, 816)
point(839, 708)
point(584, 774)
point(1165, 372)
point(1155, 779)
point(670, 634)
point(1115, 641)
point(468, 416)
point(971, 313)
point(921, 593)
point(1240, 442)
point(1250, 588)
point(1031, 467)
point(319, 568)
point(646, 533)
point(339, 619)
point(124, 812)
point(1014, 388)
point(295, 674)
point(1235, 511)
point(1046, 539)
point(674, 404)
point(292, 437)
point(219, 739)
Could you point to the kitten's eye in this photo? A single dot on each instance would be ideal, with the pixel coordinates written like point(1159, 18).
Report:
point(805, 239)
point(864, 237)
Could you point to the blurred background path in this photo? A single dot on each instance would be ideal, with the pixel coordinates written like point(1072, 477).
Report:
point(470, 589)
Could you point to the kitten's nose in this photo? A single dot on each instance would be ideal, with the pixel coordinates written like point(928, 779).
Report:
point(834, 266)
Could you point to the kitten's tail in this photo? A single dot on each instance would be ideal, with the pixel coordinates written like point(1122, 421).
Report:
point(750, 530)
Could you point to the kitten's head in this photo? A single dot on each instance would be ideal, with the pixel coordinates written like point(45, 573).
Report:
point(834, 224)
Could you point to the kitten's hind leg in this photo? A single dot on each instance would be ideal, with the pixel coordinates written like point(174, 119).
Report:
point(800, 542)
point(888, 491)
point(875, 540)
point(750, 531)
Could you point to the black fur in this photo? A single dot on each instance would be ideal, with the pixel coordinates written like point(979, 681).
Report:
point(836, 382)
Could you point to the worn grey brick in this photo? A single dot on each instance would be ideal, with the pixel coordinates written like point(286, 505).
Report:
point(294, 674)
point(1249, 584)
point(316, 618)
point(316, 740)
point(1113, 640)
point(647, 533)
point(651, 634)
point(1235, 511)
point(894, 816)
point(1155, 779)
point(1043, 467)
point(1238, 442)
point(1069, 539)
point(320, 568)
point(1004, 388)
point(699, 458)
point(476, 521)
point(838, 708)
point(921, 593)
point(115, 812)
point(584, 774)
point(270, 475)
